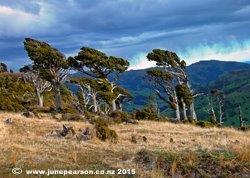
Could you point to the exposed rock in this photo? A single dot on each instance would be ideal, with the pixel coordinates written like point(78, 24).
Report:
point(85, 135)
point(66, 131)
point(8, 121)
point(144, 138)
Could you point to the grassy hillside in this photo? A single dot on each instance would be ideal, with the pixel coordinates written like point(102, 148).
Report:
point(170, 149)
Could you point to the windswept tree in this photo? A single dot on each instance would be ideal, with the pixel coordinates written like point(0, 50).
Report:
point(165, 89)
point(172, 64)
point(31, 75)
point(97, 64)
point(51, 64)
point(3, 67)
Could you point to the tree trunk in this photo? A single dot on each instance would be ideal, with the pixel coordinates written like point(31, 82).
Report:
point(213, 115)
point(192, 112)
point(221, 115)
point(177, 112)
point(177, 109)
point(191, 107)
point(211, 111)
point(58, 100)
point(94, 102)
point(184, 110)
point(39, 99)
point(113, 105)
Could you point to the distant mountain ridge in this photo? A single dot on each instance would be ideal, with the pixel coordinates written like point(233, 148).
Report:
point(204, 72)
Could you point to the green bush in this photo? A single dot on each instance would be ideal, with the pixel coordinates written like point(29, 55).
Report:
point(103, 132)
point(245, 128)
point(120, 117)
point(205, 124)
point(96, 120)
point(147, 113)
point(72, 117)
point(15, 93)
point(18, 95)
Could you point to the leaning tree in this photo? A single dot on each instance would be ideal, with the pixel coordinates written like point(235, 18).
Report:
point(165, 89)
point(30, 74)
point(98, 65)
point(170, 63)
point(51, 64)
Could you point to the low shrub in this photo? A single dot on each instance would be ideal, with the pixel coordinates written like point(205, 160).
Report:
point(72, 117)
point(69, 110)
point(104, 133)
point(41, 110)
point(245, 128)
point(205, 124)
point(96, 120)
point(147, 113)
point(15, 93)
point(121, 117)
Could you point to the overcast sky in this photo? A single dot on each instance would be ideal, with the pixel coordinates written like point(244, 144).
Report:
point(195, 29)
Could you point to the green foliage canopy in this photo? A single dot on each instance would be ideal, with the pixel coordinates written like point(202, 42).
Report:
point(51, 62)
point(96, 63)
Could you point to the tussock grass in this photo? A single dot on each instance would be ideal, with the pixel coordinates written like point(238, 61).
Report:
point(26, 144)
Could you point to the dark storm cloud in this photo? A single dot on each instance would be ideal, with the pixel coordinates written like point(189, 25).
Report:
point(123, 27)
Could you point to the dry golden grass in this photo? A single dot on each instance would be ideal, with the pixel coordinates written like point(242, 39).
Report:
point(26, 143)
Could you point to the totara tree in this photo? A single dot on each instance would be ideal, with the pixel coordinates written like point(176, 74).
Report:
point(98, 65)
point(172, 64)
point(164, 87)
point(51, 64)
point(31, 75)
